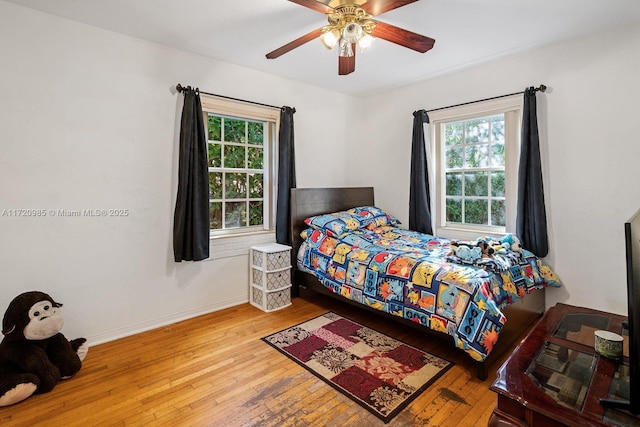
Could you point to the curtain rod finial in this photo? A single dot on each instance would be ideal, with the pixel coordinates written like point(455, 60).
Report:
point(542, 88)
point(179, 88)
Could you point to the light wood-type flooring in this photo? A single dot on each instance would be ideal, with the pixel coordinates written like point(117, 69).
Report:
point(214, 370)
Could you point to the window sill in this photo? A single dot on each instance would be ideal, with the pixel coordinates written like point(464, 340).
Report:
point(469, 234)
point(236, 245)
point(240, 234)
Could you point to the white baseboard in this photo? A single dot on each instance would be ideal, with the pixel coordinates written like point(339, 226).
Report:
point(118, 333)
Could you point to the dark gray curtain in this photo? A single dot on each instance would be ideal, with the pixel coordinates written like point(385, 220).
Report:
point(286, 175)
point(419, 192)
point(191, 216)
point(531, 223)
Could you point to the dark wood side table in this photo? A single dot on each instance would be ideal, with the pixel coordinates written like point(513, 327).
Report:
point(555, 377)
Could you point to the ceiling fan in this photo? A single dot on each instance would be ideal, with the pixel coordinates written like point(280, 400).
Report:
point(351, 25)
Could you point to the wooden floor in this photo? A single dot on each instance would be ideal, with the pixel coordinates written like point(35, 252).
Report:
point(215, 371)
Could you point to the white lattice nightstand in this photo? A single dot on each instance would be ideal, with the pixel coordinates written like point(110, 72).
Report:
point(270, 276)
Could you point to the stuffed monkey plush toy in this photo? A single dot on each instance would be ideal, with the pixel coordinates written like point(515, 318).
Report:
point(34, 355)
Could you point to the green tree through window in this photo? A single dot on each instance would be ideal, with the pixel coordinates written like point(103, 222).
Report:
point(475, 171)
point(237, 171)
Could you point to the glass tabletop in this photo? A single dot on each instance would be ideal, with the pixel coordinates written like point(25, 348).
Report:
point(619, 390)
point(580, 327)
point(563, 373)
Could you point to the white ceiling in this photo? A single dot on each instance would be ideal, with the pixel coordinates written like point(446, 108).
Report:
point(243, 31)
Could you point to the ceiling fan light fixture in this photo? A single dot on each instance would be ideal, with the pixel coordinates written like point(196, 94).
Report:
point(348, 26)
point(365, 41)
point(330, 38)
point(352, 32)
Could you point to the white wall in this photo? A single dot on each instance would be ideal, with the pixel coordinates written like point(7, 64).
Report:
point(589, 135)
point(89, 119)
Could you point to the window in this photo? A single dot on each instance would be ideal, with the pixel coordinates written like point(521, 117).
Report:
point(477, 149)
point(241, 156)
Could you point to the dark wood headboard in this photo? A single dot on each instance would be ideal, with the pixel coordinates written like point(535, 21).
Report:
point(306, 202)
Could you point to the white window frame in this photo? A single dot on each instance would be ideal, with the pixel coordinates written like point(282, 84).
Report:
point(244, 110)
point(511, 107)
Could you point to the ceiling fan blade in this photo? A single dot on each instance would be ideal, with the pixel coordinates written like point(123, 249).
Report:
point(314, 5)
point(403, 37)
point(294, 44)
point(347, 64)
point(377, 7)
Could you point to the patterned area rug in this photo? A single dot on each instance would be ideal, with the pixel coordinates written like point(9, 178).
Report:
point(378, 372)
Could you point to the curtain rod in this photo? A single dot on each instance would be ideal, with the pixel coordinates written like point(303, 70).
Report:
point(541, 88)
point(180, 88)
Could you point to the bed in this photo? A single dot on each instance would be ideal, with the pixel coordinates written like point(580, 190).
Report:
point(442, 302)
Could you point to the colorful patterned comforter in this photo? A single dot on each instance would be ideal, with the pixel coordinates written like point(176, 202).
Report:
point(407, 274)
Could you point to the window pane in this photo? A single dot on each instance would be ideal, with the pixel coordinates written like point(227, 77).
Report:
point(235, 214)
point(497, 184)
point(497, 128)
point(215, 185)
point(454, 157)
point(234, 156)
point(255, 213)
point(256, 133)
point(234, 130)
point(477, 130)
point(497, 154)
point(476, 212)
point(256, 185)
point(454, 184)
point(497, 212)
point(235, 186)
point(454, 210)
point(476, 184)
point(453, 133)
point(215, 155)
point(477, 156)
point(215, 215)
point(214, 128)
point(256, 158)
point(240, 161)
point(474, 169)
